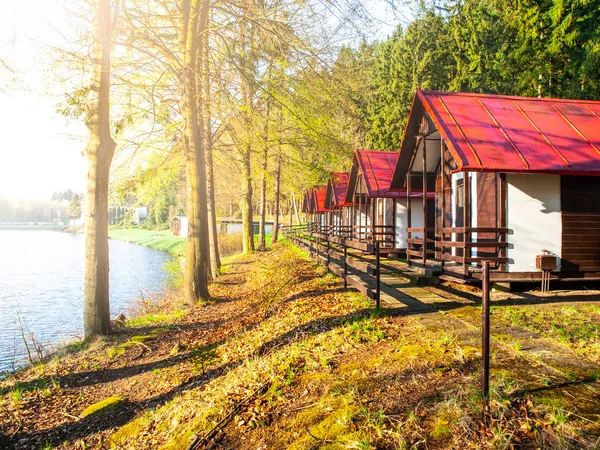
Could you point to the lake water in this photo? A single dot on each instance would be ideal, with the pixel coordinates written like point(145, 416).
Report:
point(41, 281)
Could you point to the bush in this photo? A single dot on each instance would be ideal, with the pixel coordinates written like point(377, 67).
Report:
point(175, 272)
point(230, 244)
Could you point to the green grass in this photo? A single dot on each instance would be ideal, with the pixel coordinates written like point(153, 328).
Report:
point(162, 240)
point(158, 240)
point(576, 326)
point(154, 319)
point(103, 406)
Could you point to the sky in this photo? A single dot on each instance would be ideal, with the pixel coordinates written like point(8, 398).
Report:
point(40, 150)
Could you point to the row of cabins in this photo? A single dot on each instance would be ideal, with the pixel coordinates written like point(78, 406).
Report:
point(511, 180)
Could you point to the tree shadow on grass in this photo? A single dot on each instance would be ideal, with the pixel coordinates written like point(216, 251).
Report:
point(127, 411)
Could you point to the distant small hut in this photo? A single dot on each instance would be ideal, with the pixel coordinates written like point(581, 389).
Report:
point(179, 225)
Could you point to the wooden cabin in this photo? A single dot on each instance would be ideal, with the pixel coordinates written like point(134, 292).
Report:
point(321, 212)
point(179, 225)
point(335, 201)
point(517, 182)
point(308, 205)
point(379, 213)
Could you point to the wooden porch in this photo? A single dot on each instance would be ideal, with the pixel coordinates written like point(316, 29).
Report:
point(382, 236)
point(458, 251)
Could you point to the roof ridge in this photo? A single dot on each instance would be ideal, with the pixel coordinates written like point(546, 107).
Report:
point(506, 96)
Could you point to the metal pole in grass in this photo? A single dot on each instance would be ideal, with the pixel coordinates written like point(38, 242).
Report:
point(328, 255)
point(378, 274)
point(345, 266)
point(485, 331)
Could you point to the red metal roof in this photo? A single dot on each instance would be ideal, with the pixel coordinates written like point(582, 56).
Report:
point(517, 134)
point(377, 168)
point(339, 181)
point(320, 194)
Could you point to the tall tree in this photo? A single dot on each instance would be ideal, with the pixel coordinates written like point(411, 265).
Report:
point(100, 150)
point(215, 259)
point(196, 275)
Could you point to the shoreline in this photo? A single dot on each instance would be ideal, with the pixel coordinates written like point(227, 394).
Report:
point(35, 227)
point(156, 240)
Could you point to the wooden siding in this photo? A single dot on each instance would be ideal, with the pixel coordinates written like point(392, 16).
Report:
point(580, 204)
point(487, 209)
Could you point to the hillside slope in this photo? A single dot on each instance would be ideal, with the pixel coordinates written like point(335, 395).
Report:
point(285, 358)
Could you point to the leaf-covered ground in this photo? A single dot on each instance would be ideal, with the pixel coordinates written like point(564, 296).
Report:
point(285, 358)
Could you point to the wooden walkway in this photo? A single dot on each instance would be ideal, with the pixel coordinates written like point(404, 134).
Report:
point(362, 270)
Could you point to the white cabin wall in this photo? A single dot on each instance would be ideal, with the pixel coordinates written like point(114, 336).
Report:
point(416, 210)
point(533, 219)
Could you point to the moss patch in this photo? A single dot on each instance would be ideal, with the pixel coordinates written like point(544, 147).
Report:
point(103, 406)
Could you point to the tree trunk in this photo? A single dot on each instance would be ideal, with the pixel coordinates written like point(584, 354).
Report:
point(246, 206)
point(196, 265)
point(247, 90)
point(100, 151)
point(277, 182)
point(262, 239)
point(204, 69)
point(295, 208)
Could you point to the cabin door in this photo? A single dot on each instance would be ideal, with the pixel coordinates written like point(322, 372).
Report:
point(459, 212)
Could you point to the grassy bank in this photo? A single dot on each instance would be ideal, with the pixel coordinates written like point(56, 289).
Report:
point(164, 240)
point(158, 240)
point(284, 358)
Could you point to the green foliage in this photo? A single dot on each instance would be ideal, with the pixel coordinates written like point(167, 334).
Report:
point(507, 47)
point(174, 270)
point(418, 58)
point(154, 319)
point(75, 207)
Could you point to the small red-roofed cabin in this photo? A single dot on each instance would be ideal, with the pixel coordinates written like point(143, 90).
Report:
point(308, 205)
point(336, 202)
point(378, 212)
point(320, 222)
point(517, 184)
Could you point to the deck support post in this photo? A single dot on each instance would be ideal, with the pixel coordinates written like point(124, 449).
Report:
point(373, 203)
point(443, 200)
point(394, 211)
point(345, 266)
point(467, 221)
point(408, 216)
point(485, 331)
point(359, 211)
point(378, 274)
point(328, 253)
point(424, 202)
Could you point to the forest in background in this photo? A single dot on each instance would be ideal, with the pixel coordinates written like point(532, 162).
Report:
point(296, 105)
point(231, 108)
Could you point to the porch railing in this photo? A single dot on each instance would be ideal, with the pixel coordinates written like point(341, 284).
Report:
point(383, 234)
point(420, 247)
point(469, 245)
point(460, 245)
